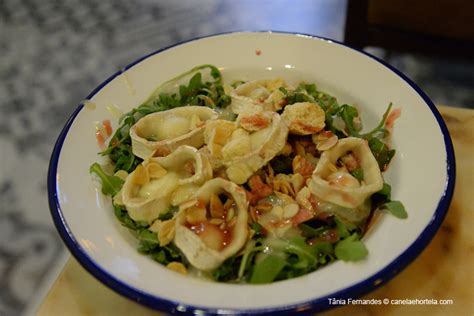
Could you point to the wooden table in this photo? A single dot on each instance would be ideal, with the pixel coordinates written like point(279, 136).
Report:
point(443, 271)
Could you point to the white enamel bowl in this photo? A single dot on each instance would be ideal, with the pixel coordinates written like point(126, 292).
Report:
point(421, 174)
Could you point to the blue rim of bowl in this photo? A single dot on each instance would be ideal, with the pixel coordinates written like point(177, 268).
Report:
point(316, 305)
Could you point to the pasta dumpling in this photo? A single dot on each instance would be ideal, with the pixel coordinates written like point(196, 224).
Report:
point(212, 226)
point(148, 190)
point(337, 185)
point(162, 132)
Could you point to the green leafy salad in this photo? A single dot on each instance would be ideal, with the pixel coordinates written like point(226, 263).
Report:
point(247, 181)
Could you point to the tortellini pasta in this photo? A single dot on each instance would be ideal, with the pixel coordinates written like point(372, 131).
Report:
point(208, 231)
point(162, 132)
point(148, 191)
point(339, 186)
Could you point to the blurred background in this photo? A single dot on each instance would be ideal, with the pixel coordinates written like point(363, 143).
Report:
point(54, 53)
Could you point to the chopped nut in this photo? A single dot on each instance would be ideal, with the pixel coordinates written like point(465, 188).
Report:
point(141, 175)
point(300, 149)
point(155, 170)
point(166, 232)
point(216, 207)
point(195, 215)
point(327, 144)
point(230, 214)
point(297, 180)
point(177, 267)
point(228, 204)
point(287, 149)
point(216, 221)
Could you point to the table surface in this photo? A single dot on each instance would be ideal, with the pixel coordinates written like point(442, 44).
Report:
point(444, 270)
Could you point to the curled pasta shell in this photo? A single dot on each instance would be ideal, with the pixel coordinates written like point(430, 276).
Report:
point(162, 132)
point(146, 197)
point(347, 196)
point(200, 254)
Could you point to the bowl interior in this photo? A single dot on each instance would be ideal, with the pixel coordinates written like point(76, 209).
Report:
point(87, 223)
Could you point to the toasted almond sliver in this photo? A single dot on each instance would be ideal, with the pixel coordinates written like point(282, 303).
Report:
point(221, 135)
point(230, 214)
point(287, 149)
point(216, 207)
point(228, 204)
point(216, 221)
point(166, 232)
point(297, 180)
point(155, 170)
point(327, 144)
point(300, 149)
point(177, 267)
point(195, 215)
point(141, 176)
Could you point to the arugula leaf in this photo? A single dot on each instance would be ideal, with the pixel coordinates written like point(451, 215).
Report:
point(351, 249)
point(381, 152)
point(228, 270)
point(309, 231)
point(122, 215)
point(111, 185)
point(348, 113)
point(267, 270)
point(397, 209)
point(342, 230)
point(380, 128)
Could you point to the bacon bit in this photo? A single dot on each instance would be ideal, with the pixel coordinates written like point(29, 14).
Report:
point(303, 215)
point(259, 190)
point(256, 121)
point(100, 139)
point(392, 117)
point(107, 126)
point(103, 132)
point(258, 52)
